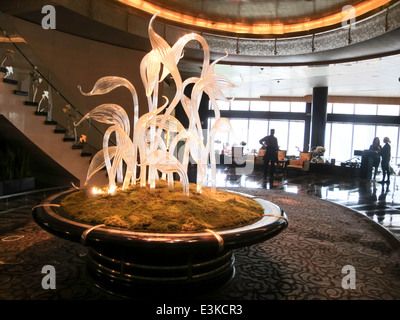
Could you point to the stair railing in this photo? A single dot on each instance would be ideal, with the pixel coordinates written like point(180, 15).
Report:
point(44, 91)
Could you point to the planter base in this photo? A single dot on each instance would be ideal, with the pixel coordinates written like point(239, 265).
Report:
point(144, 264)
point(144, 275)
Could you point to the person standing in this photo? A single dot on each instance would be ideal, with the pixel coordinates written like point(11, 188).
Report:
point(385, 154)
point(271, 153)
point(375, 158)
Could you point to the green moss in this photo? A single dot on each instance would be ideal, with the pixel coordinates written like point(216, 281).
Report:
point(162, 210)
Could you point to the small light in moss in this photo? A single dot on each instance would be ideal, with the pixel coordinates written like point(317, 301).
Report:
point(112, 190)
point(96, 190)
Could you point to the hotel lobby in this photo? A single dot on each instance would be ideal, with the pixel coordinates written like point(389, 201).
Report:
point(92, 92)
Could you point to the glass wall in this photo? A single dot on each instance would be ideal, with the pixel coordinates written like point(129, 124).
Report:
point(262, 105)
point(363, 136)
point(342, 139)
point(290, 134)
point(258, 129)
point(340, 144)
point(364, 109)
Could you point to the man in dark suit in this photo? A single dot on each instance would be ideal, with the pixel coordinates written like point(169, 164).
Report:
point(271, 153)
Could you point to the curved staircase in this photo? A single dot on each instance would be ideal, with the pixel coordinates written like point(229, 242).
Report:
point(45, 134)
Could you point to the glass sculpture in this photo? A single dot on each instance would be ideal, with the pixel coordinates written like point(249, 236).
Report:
point(152, 144)
point(45, 96)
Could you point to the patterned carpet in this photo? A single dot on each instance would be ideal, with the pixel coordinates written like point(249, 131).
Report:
point(304, 262)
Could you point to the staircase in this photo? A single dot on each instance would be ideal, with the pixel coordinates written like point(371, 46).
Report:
point(24, 116)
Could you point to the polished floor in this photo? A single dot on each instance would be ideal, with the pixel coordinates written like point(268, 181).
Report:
point(379, 202)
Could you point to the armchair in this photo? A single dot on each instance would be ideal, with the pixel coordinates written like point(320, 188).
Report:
point(258, 160)
point(281, 155)
point(302, 164)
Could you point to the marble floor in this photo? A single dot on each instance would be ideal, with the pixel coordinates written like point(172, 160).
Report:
point(380, 202)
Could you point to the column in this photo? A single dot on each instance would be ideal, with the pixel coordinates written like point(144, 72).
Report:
point(307, 128)
point(318, 116)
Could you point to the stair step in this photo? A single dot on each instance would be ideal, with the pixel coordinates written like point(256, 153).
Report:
point(10, 81)
point(31, 103)
point(40, 113)
point(50, 122)
point(77, 147)
point(4, 70)
point(60, 131)
point(21, 93)
point(69, 139)
point(86, 154)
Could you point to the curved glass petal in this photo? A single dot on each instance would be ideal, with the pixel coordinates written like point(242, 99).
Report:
point(109, 113)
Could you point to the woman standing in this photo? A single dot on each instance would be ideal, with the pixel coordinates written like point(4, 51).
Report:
point(385, 154)
point(375, 158)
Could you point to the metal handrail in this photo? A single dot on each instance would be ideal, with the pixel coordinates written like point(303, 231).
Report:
point(51, 84)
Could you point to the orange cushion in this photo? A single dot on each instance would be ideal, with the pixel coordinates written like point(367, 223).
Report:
point(301, 160)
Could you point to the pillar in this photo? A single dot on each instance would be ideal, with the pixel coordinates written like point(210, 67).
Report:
point(307, 128)
point(318, 116)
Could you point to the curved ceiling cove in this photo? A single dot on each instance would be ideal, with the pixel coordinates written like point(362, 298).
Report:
point(260, 18)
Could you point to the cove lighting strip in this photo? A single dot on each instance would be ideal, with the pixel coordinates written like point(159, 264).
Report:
point(259, 28)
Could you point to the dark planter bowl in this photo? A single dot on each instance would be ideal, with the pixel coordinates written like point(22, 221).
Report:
point(131, 263)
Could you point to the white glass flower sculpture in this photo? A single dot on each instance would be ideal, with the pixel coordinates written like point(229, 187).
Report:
point(45, 95)
point(9, 55)
point(152, 148)
point(9, 72)
point(36, 80)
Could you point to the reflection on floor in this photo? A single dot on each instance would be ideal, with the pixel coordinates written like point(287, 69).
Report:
point(380, 202)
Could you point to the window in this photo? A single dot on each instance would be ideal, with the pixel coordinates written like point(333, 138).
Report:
point(259, 105)
point(281, 132)
point(363, 136)
point(296, 137)
point(298, 107)
point(258, 129)
point(366, 109)
point(343, 108)
point(328, 130)
point(280, 106)
point(388, 110)
point(222, 105)
point(341, 141)
point(240, 105)
point(240, 131)
point(392, 133)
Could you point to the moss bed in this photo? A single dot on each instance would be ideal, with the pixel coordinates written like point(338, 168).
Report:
point(162, 210)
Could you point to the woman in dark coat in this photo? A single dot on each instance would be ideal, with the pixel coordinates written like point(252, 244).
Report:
point(385, 154)
point(375, 158)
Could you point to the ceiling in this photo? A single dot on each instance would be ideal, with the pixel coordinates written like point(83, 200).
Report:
point(378, 77)
point(375, 73)
point(259, 18)
point(256, 11)
point(370, 68)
